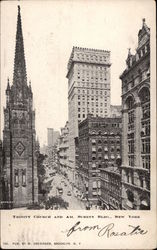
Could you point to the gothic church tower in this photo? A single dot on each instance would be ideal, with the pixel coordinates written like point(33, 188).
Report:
point(20, 167)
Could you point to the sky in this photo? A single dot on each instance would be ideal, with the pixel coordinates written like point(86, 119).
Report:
point(50, 30)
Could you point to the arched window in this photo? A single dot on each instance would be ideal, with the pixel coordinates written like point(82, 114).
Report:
point(130, 195)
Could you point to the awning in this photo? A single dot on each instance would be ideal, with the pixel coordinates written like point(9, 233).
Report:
point(94, 193)
point(93, 165)
point(112, 157)
point(106, 157)
point(94, 184)
point(93, 141)
point(93, 149)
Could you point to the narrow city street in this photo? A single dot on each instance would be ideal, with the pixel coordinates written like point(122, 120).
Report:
point(68, 193)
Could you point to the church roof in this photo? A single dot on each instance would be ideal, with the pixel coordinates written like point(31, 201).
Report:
point(20, 76)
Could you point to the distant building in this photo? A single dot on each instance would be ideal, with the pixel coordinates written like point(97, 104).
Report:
point(49, 137)
point(19, 136)
point(52, 136)
point(99, 148)
point(115, 111)
point(43, 149)
point(63, 149)
point(136, 125)
point(88, 90)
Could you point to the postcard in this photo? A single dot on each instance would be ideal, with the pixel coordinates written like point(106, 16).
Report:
point(78, 124)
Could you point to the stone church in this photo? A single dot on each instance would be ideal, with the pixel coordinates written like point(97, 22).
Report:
point(19, 135)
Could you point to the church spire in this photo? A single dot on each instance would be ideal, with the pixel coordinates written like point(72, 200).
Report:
point(20, 76)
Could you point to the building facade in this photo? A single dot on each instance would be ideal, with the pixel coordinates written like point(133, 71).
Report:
point(136, 125)
point(49, 136)
point(52, 136)
point(99, 148)
point(115, 111)
point(19, 136)
point(63, 150)
point(111, 188)
point(88, 89)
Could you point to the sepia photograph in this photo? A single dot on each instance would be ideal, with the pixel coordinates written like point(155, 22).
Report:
point(78, 124)
point(75, 105)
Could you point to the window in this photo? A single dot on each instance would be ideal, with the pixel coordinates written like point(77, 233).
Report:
point(131, 146)
point(78, 115)
point(146, 146)
point(141, 181)
point(131, 160)
point(83, 116)
point(99, 149)
point(93, 141)
point(140, 75)
point(146, 161)
point(112, 149)
point(130, 196)
point(24, 177)
point(133, 81)
point(16, 177)
point(93, 174)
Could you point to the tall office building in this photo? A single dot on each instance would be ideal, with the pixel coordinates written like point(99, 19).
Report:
point(49, 136)
point(136, 125)
point(52, 136)
point(99, 149)
point(19, 136)
point(88, 90)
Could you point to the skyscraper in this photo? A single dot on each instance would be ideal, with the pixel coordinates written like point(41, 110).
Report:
point(88, 90)
point(49, 136)
point(52, 136)
point(19, 136)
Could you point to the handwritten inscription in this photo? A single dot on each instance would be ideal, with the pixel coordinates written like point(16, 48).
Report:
point(107, 230)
